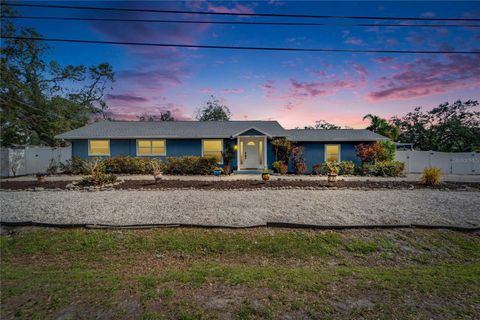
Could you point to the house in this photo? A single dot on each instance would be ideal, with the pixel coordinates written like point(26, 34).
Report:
point(250, 139)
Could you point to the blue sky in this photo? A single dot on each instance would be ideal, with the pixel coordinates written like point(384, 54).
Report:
point(295, 88)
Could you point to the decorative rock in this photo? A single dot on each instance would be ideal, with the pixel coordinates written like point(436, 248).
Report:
point(39, 189)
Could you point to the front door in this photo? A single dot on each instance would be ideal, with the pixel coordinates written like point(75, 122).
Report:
point(250, 156)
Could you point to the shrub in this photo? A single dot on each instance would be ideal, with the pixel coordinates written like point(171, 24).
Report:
point(52, 167)
point(282, 149)
point(190, 165)
point(377, 151)
point(319, 169)
point(387, 168)
point(300, 168)
point(96, 173)
point(129, 165)
point(73, 166)
point(431, 176)
point(280, 167)
point(346, 168)
point(386, 152)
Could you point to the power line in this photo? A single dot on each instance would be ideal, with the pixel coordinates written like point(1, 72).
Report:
point(238, 14)
point(241, 22)
point(151, 44)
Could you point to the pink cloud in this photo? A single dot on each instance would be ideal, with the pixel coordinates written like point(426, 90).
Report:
point(354, 41)
point(383, 59)
point(237, 8)
point(206, 90)
point(313, 89)
point(233, 90)
point(427, 76)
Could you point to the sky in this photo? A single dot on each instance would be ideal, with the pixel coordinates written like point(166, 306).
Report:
point(295, 88)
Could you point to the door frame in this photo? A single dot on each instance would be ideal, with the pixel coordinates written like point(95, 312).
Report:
point(265, 162)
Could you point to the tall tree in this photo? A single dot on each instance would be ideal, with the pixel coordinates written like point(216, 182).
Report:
point(449, 127)
point(322, 124)
point(164, 116)
point(39, 99)
point(213, 111)
point(383, 127)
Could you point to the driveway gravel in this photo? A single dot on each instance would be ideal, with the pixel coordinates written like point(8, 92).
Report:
point(243, 208)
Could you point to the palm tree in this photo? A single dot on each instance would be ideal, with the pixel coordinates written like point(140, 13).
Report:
point(381, 126)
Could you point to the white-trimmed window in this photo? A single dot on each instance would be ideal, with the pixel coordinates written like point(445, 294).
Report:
point(151, 147)
point(332, 153)
point(213, 148)
point(98, 147)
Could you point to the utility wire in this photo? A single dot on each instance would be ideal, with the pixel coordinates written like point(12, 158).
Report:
point(239, 48)
point(238, 14)
point(243, 22)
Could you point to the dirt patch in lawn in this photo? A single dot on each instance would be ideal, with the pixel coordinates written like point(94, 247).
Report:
point(247, 185)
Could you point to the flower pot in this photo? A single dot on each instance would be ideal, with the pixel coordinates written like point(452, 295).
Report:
point(157, 177)
point(40, 179)
point(265, 176)
point(332, 177)
point(217, 173)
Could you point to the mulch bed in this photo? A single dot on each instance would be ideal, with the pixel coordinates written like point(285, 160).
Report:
point(248, 184)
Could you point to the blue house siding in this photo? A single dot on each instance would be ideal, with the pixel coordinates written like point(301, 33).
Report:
point(314, 152)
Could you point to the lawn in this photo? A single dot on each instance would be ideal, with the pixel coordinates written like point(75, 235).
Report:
point(241, 274)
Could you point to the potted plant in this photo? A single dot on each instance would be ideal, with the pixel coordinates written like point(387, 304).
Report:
point(227, 154)
point(332, 171)
point(156, 170)
point(217, 171)
point(41, 176)
point(265, 175)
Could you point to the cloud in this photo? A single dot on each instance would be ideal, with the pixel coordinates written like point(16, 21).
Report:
point(125, 97)
point(383, 59)
point(354, 41)
point(313, 89)
point(424, 77)
point(206, 90)
point(233, 90)
point(237, 8)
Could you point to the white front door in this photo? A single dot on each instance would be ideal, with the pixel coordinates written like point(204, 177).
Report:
point(251, 156)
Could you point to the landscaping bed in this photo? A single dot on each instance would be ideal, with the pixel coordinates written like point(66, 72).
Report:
point(242, 184)
point(239, 274)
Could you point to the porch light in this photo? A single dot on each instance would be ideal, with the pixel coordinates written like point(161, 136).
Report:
point(235, 147)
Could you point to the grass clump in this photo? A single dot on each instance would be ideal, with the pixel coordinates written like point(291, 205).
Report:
point(431, 176)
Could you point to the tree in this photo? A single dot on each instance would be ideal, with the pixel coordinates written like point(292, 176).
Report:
point(213, 111)
point(40, 99)
point(322, 124)
point(383, 127)
point(164, 116)
point(449, 127)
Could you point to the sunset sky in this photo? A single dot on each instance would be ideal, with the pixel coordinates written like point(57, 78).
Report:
point(295, 88)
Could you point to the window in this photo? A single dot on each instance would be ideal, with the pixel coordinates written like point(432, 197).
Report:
point(213, 148)
point(332, 152)
point(151, 147)
point(98, 147)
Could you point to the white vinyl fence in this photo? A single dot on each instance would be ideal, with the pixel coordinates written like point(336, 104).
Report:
point(449, 162)
point(30, 160)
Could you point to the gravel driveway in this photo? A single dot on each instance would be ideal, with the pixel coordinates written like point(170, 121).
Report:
point(243, 208)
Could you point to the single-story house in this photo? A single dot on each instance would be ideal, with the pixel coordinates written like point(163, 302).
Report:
point(250, 139)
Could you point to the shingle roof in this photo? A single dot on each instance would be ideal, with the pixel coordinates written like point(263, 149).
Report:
point(171, 129)
point(322, 135)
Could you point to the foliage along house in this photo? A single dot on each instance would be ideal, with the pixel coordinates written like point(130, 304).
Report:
point(250, 139)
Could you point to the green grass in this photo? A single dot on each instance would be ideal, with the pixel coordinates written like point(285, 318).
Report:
point(176, 273)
